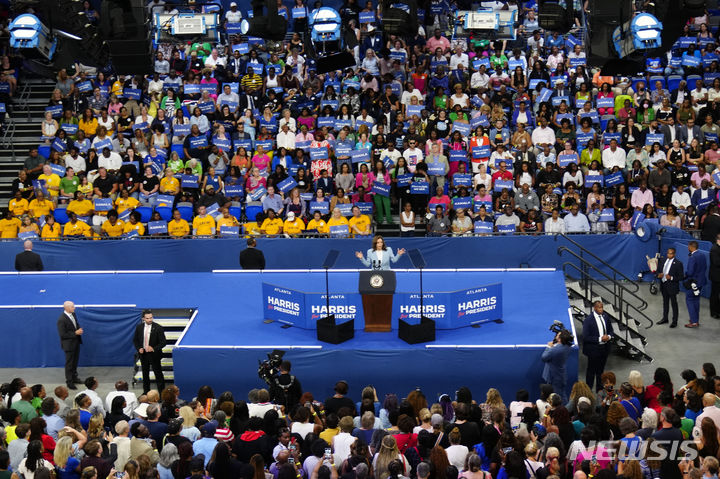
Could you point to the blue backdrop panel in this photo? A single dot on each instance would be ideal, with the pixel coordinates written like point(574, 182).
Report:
point(107, 338)
point(624, 252)
point(400, 371)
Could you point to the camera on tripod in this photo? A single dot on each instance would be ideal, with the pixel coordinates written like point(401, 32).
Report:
point(268, 369)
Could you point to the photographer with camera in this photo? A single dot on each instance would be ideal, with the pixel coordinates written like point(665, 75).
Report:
point(285, 389)
point(555, 357)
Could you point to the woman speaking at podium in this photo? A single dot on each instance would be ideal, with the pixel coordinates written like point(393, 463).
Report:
point(379, 256)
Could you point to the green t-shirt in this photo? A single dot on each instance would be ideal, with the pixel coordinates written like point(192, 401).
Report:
point(69, 185)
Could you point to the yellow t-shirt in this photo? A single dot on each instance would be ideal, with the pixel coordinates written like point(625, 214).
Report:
point(320, 226)
point(115, 230)
point(81, 208)
point(169, 185)
point(333, 222)
point(272, 226)
point(203, 225)
point(41, 209)
point(18, 207)
point(86, 189)
point(122, 204)
point(251, 228)
point(51, 232)
point(128, 227)
point(51, 181)
point(229, 221)
point(361, 222)
point(294, 227)
point(78, 229)
point(178, 228)
point(9, 228)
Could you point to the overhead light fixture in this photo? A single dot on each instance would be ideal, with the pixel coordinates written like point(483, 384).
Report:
point(641, 33)
point(27, 32)
point(265, 22)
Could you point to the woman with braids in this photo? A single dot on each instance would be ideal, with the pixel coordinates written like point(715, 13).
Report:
point(34, 460)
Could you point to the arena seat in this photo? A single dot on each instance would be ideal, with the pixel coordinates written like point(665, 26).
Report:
point(673, 81)
point(145, 213)
point(186, 211)
point(165, 212)
point(251, 211)
point(60, 214)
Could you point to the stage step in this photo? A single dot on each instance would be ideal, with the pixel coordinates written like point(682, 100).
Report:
point(174, 321)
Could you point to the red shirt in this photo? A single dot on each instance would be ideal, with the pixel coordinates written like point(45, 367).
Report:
point(502, 175)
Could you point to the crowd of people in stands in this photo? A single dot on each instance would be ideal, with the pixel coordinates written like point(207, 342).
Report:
point(459, 134)
point(621, 430)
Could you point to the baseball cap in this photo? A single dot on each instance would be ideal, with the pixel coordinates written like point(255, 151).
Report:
point(436, 420)
point(291, 216)
point(141, 410)
point(233, 4)
point(224, 434)
point(175, 425)
point(209, 429)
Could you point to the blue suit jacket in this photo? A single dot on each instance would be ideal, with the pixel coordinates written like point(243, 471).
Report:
point(697, 269)
point(591, 336)
point(555, 359)
point(372, 258)
point(676, 272)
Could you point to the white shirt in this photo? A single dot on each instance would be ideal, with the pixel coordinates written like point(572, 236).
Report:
point(233, 17)
point(394, 155)
point(211, 62)
point(130, 401)
point(681, 200)
point(112, 162)
point(554, 226)
point(613, 158)
point(456, 60)
point(456, 455)
point(602, 327)
point(541, 136)
point(479, 80)
point(666, 269)
point(406, 95)
point(413, 156)
point(286, 140)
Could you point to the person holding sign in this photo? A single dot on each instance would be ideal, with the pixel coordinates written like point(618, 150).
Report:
point(52, 182)
point(380, 255)
point(359, 223)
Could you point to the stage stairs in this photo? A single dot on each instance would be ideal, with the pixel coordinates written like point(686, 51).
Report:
point(174, 321)
point(588, 279)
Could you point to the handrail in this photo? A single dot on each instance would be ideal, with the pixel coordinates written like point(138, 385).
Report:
point(617, 293)
point(635, 288)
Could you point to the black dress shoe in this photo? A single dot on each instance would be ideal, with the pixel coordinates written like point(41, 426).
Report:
point(673, 324)
point(71, 386)
point(78, 381)
point(663, 321)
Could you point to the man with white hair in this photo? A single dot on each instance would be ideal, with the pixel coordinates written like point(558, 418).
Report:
point(70, 334)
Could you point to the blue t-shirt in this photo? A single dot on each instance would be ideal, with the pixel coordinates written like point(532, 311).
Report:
point(70, 469)
point(85, 418)
point(633, 408)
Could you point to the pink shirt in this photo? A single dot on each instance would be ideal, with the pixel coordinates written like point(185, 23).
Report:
point(443, 200)
point(639, 199)
point(432, 43)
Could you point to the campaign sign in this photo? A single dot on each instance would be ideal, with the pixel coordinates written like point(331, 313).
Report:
point(232, 191)
point(227, 231)
point(556, 101)
point(710, 137)
point(361, 155)
point(241, 47)
point(463, 128)
point(651, 138)
point(481, 151)
point(404, 180)
point(607, 214)
point(458, 155)
point(287, 184)
point(464, 202)
point(84, 87)
point(412, 110)
point(339, 230)
point(57, 169)
point(345, 307)
point(367, 17)
point(592, 178)
point(506, 229)
point(544, 95)
point(164, 200)
point(343, 148)
point(266, 144)
point(299, 12)
point(365, 208)
point(476, 305)
point(381, 189)
point(283, 304)
point(502, 184)
point(462, 179)
point(575, 62)
point(189, 181)
point(125, 215)
point(328, 121)
point(608, 137)
point(614, 179)
point(198, 142)
point(435, 169)
point(157, 227)
point(318, 153)
point(181, 130)
point(322, 206)
point(206, 107)
point(480, 120)
point(636, 219)
point(102, 204)
point(27, 235)
point(132, 93)
point(56, 111)
point(59, 145)
point(564, 159)
point(71, 129)
point(345, 208)
point(258, 193)
point(420, 188)
point(605, 102)
point(703, 203)
point(436, 306)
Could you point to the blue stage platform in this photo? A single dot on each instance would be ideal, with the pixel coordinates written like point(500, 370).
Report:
point(223, 344)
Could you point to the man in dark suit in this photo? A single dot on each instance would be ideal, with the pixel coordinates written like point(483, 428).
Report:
point(711, 225)
point(149, 340)
point(683, 133)
point(28, 260)
point(70, 334)
point(251, 257)
point(597, 333)
point(715, 278)
point(695, 279)
point(669, 274)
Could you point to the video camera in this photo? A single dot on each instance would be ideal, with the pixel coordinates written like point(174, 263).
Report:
point(558, 327)
point(268, 369)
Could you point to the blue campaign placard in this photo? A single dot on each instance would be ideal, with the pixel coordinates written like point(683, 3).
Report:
point(361, 155)
point(709, 137)
point(351, 84)
point(4, 87)
point(534, 82)
point(359, 123)
point(3, 108)
point(716, 177)
point(57, 169)
point(84, 87)
point(334, 104)
point(463, 128)
point(479, 62)
point(420, 188)
point(208, 87)
point(191, 88)
point(458, 155)
point(583, 138)
point(576, 62)
point(462, 202)
point(651, 138)
point(381, 189)
point(59, 145)
point(125, 215)
point(212, 210)
point(56, 111)
point(705, 202)
point(399, 56)
point(502, 184)
point(607, 214)
point(605, 102)
point(343, 148)
point(299, 12)
point(328, 121)
point(227, 231)
point(482, 227)
point(224, 145)
point(322, 206)
point(181, 130)
point(462, 179)
point(234, 86)
point(283, 304)
point(234, 190)
point(233, 29)
point(318, 153)
point(481, 151)
point(339, 230)
point(287, 184)
point(607, 137)
point(157, 227)
point(435, 169)
point(406, 306)
point(564, 159)
point(345, 307)
point(476, 305)
point(206, 107)
point(556, 100)
point(404, 180)
point(365, 208)
point(690, 61)
point(480, 120)
point(132, 93)
point(614, 179)
point(259, 192)
point(345, 208)
point(306, 196)
point(241, 47)
point(27, 235)
point(636, 219)
point(340, 124)
point(189, 181)
point(69, 128)
point(164, 200)
point(513, 63)
point(367, 17)
point(247, 144)
point(544, 95)
point(102, 204)
point(412, 110)
point(592, 178)
point(506, 229)
point(133, 234)
point(198, 141)
point(141, 126)
point(266, 144)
